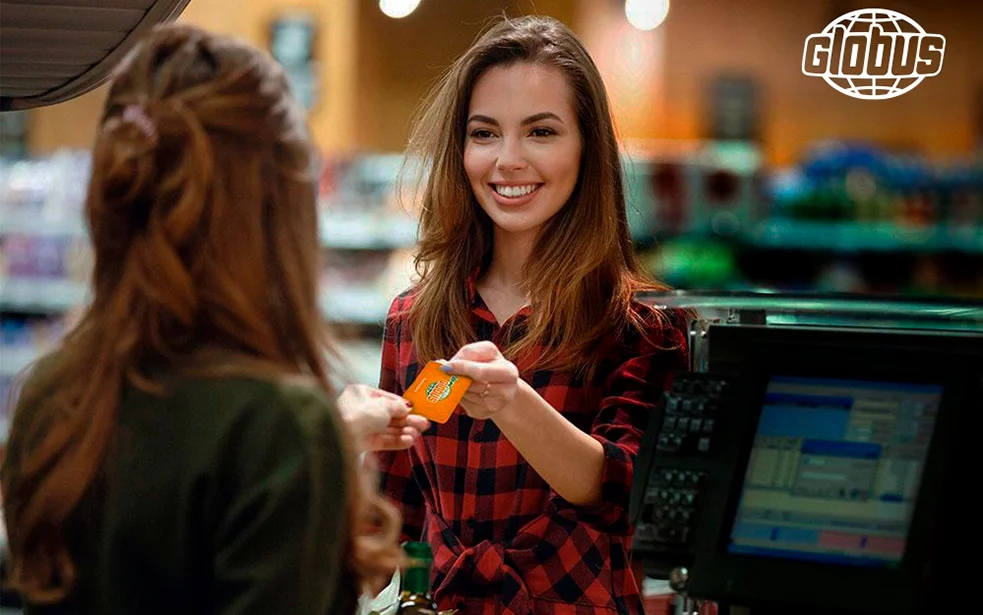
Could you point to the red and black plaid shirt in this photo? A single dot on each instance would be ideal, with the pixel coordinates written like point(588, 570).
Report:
point(504, 542)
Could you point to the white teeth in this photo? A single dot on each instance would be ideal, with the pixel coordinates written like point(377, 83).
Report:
point(514, 191)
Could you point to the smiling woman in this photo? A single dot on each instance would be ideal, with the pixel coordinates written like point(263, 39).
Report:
point(527, 282)
point(522, 151)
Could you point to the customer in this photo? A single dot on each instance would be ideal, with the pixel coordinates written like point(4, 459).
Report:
point(528, 277)
point(181, 451)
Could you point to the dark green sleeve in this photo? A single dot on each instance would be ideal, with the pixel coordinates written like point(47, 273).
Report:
point(279, 544)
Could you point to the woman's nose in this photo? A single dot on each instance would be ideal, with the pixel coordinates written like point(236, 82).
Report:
point(510, 155)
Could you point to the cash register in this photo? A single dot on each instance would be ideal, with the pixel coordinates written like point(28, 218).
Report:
point(820, 456)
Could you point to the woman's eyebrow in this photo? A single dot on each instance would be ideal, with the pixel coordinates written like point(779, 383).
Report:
point(532, 119)
point(483, 119)
point(539, 117)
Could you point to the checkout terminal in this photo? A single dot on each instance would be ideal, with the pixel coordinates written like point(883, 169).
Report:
point(821, 456)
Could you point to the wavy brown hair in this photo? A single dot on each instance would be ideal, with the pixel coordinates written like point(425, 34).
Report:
point(584, 271)
point(202, 214)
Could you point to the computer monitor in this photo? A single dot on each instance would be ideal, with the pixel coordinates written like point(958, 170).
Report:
point(834, 478)
point(835, 469)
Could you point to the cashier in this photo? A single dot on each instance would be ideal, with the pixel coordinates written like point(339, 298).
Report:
point(527, 286)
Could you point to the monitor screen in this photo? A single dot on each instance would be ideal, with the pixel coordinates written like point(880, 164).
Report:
point(834, 470)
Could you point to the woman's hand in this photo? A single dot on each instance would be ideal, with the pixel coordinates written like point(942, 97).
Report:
point(381, 419)
point(495, 379)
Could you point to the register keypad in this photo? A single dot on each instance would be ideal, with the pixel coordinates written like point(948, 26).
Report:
point(690, 413)
point(684, 441)
point(670, 506)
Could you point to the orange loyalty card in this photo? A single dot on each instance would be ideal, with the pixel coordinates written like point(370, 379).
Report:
point(435, 394)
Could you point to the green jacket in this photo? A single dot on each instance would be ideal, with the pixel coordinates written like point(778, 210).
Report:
point(226, 497)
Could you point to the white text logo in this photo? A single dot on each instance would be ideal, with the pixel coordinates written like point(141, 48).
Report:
point(873, 54)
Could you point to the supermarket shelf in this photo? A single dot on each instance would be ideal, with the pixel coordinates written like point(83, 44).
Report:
point(13, 359)
point(967, 238)
point(358, 231)
point(355, 305)
point(41, 295)
point(855, 236)
point(342, 230)
point(37, 295)
point(361, 361)
point(23, 224)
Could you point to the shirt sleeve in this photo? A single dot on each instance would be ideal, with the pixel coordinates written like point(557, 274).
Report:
point(282, 518)
point(631, 394)
point(395, 467)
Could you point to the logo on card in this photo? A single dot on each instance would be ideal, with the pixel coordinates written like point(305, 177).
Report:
point(440, 390)
point(873, 54)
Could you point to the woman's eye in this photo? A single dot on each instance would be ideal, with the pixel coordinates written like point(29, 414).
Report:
point(542, 132)
point(481, 133)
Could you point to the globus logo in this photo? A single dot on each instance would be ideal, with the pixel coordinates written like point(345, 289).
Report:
point(873, 54)
point(440, 390)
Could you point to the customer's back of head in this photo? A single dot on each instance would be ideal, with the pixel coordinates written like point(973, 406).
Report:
point(202, 216)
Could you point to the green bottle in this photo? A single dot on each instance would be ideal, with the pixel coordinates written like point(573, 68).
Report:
point(415, 597)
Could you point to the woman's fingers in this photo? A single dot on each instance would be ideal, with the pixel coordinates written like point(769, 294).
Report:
point(372, 392)
point(417, 422)
point(412, 424)
point(394, 438)
point(483, 351)
point(496, 371)
point(398, 409)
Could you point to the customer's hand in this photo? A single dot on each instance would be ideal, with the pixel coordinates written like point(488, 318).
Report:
point(380, 419)
point(495, 379)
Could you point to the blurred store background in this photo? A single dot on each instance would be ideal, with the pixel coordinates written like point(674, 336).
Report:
point(742, 172)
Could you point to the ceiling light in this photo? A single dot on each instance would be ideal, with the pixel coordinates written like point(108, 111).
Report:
point(646, 14)
point(397, 9)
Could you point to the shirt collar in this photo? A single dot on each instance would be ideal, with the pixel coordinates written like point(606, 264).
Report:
point(478, 305)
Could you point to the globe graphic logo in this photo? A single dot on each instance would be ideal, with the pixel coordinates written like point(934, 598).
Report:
point(873, 54)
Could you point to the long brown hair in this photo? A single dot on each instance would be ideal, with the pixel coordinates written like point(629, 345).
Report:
point(202, 214)
point(584, 271)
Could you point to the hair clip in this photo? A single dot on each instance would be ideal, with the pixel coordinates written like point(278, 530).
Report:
point(139, 117)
